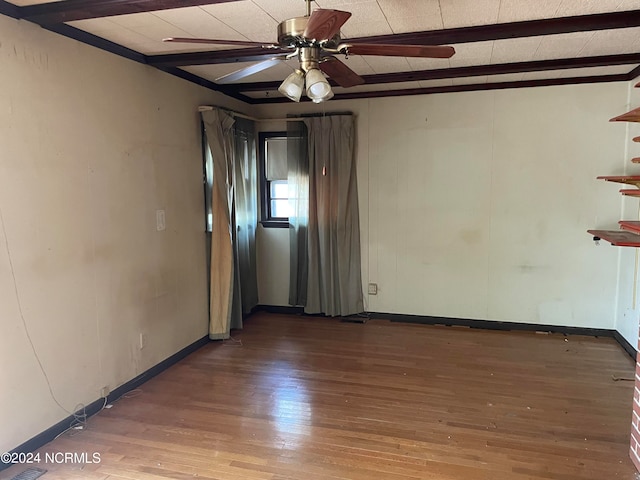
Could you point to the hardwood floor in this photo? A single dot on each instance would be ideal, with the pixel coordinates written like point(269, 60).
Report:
point(311, 399)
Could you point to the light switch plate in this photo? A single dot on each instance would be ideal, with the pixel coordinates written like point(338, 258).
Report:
point(160, 220)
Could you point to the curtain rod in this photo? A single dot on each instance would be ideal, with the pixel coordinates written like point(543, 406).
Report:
point(205, 108)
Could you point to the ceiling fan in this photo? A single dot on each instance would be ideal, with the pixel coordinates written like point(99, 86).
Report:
point(315, 40)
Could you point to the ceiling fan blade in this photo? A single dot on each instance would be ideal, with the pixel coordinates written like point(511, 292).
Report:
point(250, 70)
point(343, 75)
point(219, 42)
point(425, 51)
point(324, 24)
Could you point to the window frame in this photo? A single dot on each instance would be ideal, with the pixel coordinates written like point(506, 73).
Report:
point(266, 219)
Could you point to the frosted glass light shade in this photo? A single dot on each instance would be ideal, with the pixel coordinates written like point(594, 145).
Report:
point(292, 86)
point(318, 89)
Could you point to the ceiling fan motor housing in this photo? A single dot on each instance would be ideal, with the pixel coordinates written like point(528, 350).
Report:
point(309, 58)
point(291, 34)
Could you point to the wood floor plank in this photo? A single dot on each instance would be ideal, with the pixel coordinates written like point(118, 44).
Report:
point(315, 399)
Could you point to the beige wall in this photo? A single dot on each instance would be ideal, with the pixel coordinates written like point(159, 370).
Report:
point(91, 145)
point(476, 205)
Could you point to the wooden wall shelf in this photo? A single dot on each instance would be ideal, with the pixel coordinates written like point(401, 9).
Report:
point(632, 116)
point(629, 235)
point(618, 238)
point(628, 179)
point(632, 226)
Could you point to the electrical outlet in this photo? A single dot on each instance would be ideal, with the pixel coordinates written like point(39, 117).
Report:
point(143, 341)
point(373, 289)
point(104, 391)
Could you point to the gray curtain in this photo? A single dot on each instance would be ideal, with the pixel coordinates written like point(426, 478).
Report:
point(232, 277)
point(332, 238)
point(298, 181)
point(245, 220)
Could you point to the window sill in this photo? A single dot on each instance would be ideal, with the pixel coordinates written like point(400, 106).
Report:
point(275, 224)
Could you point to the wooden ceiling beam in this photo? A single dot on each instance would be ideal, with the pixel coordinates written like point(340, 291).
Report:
point(501, 31)
point(9, 9)
point(71, 10)
point(486, 86)
point(635, 73)
point(461, 88)
point(475, 70)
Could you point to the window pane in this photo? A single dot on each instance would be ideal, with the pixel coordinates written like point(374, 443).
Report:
point(276, 158)
point(279, 189)
point(280, 208)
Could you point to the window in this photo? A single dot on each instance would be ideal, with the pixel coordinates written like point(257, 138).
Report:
point(274, 186)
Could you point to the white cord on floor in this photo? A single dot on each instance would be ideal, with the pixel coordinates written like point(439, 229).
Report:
point(24, 322)
point(232, 342)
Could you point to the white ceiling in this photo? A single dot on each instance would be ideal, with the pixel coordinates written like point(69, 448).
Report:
point(257, 20)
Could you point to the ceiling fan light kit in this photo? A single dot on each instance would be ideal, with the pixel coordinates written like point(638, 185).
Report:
point(315, 40)
point(318, 88)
